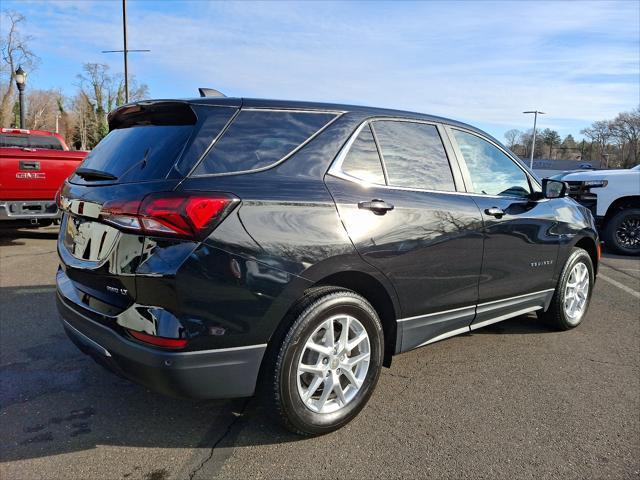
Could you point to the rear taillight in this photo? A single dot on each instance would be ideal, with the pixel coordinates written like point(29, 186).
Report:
point(158, 341)
point(174, 214)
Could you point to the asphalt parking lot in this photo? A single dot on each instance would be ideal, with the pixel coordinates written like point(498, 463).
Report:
point(513, 400)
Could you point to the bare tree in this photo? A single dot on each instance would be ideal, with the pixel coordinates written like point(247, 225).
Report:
point(14, 48)
point(625, 128)
point(599, 133)
point(99, 93)
point(512, 137)
point(43, 107)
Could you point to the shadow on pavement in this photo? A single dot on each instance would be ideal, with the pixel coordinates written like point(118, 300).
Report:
point(54, 399)
point(523, 324)
point(12, 236)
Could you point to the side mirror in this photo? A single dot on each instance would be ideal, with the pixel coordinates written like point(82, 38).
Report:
point(554, 188)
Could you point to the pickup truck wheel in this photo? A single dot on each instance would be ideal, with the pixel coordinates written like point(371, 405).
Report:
point(573, 293)
point(329, 363)
point(622, 233)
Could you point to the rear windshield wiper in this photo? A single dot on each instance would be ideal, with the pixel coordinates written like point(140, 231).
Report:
point(91, 174)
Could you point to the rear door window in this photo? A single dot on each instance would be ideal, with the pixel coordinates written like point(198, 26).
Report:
point(363, 161)
point(414, 155)
point(260, 138)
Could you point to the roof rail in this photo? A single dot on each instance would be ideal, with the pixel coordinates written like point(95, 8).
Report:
point(210, 92)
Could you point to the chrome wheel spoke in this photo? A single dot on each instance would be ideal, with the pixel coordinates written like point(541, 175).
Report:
point(344, 333)
point(313, 388)
point(330, 335)
point(337, 387)
point(313, 369)
point(353, 343)
point(326, 391)
point(353, 361)
point(351, 378)
point(319, 348)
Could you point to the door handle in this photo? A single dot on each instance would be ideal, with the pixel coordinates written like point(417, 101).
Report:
point(494, 211)
point(379, 207)
point(28, 165)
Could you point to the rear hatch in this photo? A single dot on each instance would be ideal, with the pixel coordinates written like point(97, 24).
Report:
point(104, 236)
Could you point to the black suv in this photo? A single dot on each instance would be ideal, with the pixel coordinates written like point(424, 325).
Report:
point(213, 246)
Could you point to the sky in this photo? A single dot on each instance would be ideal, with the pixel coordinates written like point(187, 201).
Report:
point(479, 62)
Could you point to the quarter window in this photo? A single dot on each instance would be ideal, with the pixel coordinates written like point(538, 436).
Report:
point(413, 155)
point(260, 138)
point(363, 161)
point(492, 172)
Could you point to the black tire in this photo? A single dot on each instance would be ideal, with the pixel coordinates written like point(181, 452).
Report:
point(556, 316)
point(614, 229)
point(315, 308)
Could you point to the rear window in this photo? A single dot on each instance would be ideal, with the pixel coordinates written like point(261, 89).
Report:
point(146, 142)
point(260, 138)
point(30, 141)
point(139, 153)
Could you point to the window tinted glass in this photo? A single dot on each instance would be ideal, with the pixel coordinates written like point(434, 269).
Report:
point(139, 153)
point(30, 141)
point(491, 171)
point(363, 161)
point(414, 155)
point(258, 139)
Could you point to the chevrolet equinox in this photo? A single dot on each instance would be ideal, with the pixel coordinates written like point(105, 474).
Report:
point(214, 246)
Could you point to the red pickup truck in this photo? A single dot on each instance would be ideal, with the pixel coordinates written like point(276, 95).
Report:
point(33, 165)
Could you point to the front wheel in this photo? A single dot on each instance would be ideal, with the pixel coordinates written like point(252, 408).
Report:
point(622, 233)
point(329, 363)
point(572, 295)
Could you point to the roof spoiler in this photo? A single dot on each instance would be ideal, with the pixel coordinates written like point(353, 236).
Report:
point(210, 92)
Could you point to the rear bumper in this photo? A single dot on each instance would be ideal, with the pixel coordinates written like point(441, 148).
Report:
point(29, 209)
point(220, 373)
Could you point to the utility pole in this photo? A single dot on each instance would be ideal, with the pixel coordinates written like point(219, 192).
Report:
point(125, 51)
point(533, 140)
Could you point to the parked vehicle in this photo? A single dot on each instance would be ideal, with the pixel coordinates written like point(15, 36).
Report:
point(33, 165)
point(216, 246)
point(613, 196)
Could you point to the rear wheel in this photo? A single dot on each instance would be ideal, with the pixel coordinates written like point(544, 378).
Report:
point(329, 362)
point(622, 233)
point(571, 299)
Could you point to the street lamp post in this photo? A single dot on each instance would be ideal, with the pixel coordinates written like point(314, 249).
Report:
point(533, 140)
point(21, 80)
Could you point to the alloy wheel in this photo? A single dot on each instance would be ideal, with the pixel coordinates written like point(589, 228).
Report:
point(576, 293)
point(333, 364)
point(628, 233)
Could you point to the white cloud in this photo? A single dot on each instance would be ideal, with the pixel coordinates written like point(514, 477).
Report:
point(484, 62)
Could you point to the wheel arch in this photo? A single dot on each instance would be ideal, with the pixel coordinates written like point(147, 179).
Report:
point(630, 201)
point(379, 298)
point(589, 244)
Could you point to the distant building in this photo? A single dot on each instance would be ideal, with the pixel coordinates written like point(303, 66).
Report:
point(545, 167)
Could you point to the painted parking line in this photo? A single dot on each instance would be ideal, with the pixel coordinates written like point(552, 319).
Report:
point(621, 286)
